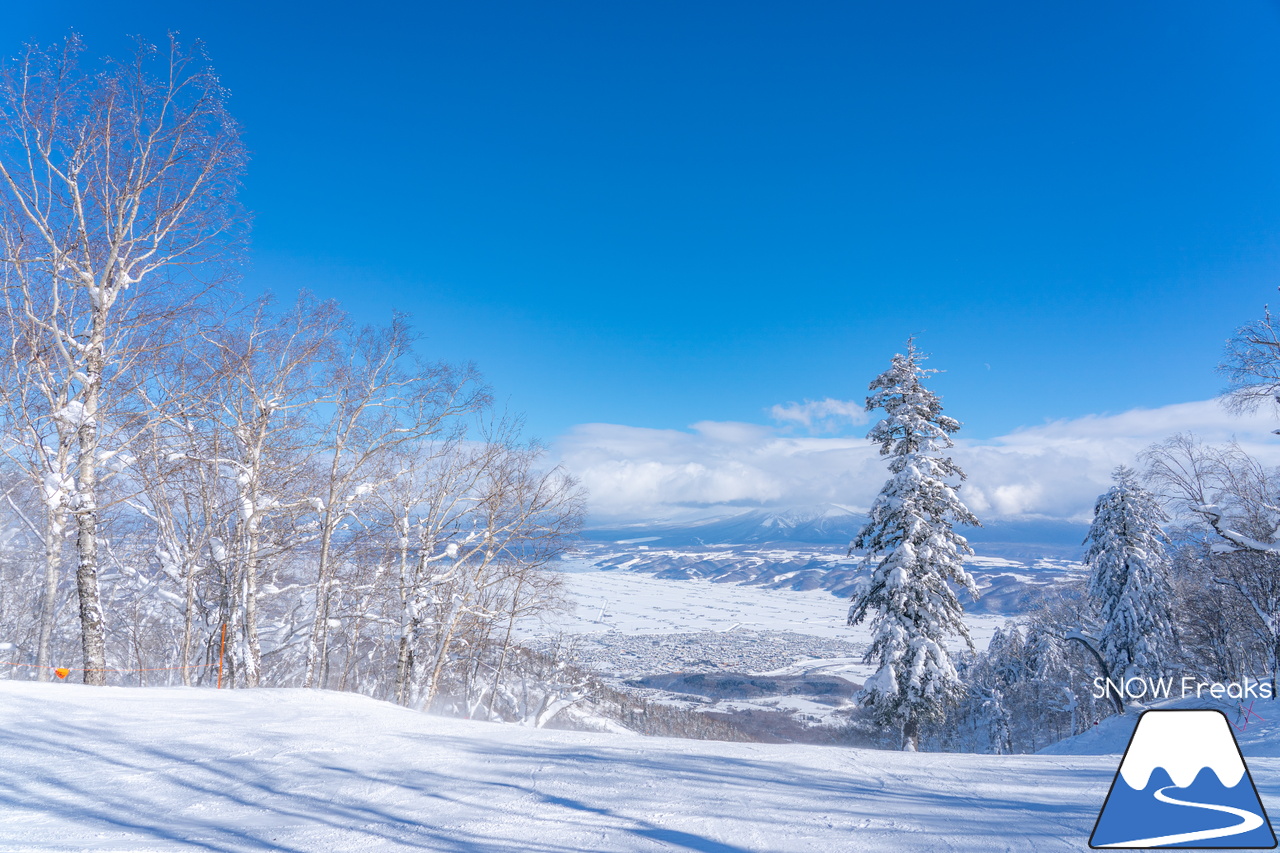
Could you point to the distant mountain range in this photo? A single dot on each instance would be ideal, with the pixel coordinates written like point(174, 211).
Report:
point(836, 525)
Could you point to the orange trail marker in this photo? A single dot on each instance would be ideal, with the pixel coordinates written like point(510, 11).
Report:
point(62, 672)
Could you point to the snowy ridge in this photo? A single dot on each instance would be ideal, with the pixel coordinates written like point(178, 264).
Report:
point(1008, 587)
point(836, 525)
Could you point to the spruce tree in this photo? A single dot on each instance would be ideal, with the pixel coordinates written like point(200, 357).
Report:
point(913, 554)
point(1129, 581)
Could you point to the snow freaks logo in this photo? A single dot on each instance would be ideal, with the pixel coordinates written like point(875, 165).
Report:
point(1183, 783)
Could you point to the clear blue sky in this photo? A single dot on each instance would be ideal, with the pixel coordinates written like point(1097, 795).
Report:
point(666, 212)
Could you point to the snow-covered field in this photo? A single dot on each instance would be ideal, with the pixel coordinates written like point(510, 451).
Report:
point(639, 602)
point(166, 769)
point(622, 617)
point(627, 624)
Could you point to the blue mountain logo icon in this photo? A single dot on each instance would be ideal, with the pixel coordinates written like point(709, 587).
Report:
point(1183, 783)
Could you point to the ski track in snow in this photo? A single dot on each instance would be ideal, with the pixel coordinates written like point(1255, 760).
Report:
point(167, 769)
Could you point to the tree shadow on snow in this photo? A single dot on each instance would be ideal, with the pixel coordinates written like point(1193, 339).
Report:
point(268, 791)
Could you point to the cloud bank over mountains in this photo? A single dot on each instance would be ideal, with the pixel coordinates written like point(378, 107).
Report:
point(1054, 470)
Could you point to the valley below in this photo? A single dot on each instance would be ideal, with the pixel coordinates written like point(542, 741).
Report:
point(754, 631)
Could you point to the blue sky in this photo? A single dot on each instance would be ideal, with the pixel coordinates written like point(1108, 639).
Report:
point(666, 213)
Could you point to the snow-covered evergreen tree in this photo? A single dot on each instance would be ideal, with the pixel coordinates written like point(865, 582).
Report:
point(913, 553)
point(1046, 658)
point(1129, 581)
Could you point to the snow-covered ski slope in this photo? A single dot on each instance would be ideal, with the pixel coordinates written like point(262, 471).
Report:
point(151, 769)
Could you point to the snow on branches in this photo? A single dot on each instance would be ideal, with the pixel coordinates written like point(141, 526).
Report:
point(1129, 580)
point(913, 553)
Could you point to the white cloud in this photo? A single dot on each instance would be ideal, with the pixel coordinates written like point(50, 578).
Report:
point(821, 416)
point(1053, 470)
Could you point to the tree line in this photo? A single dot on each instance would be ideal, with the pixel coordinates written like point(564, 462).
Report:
point(1183, 559)
point(200, 488)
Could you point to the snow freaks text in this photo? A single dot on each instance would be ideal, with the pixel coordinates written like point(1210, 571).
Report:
point(1168, 687)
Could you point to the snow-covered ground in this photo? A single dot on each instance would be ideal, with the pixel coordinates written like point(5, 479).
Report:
point(625, 621)
point(1257, 724)
point(642, 603)
point(167, 769)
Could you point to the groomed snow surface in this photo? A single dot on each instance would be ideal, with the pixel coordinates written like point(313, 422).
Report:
point(150, 769)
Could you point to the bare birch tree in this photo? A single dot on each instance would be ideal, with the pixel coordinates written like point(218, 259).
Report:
point(176, 484)
point(117, 199)
point(32, 392)
point(1233, 496)
point(270, 384)
point(377, 404)
point(518, 518)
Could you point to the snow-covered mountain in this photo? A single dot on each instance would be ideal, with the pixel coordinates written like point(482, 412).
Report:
point(836, 525)
point(1007, 587)
point(830, 524)
point(804, 548)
